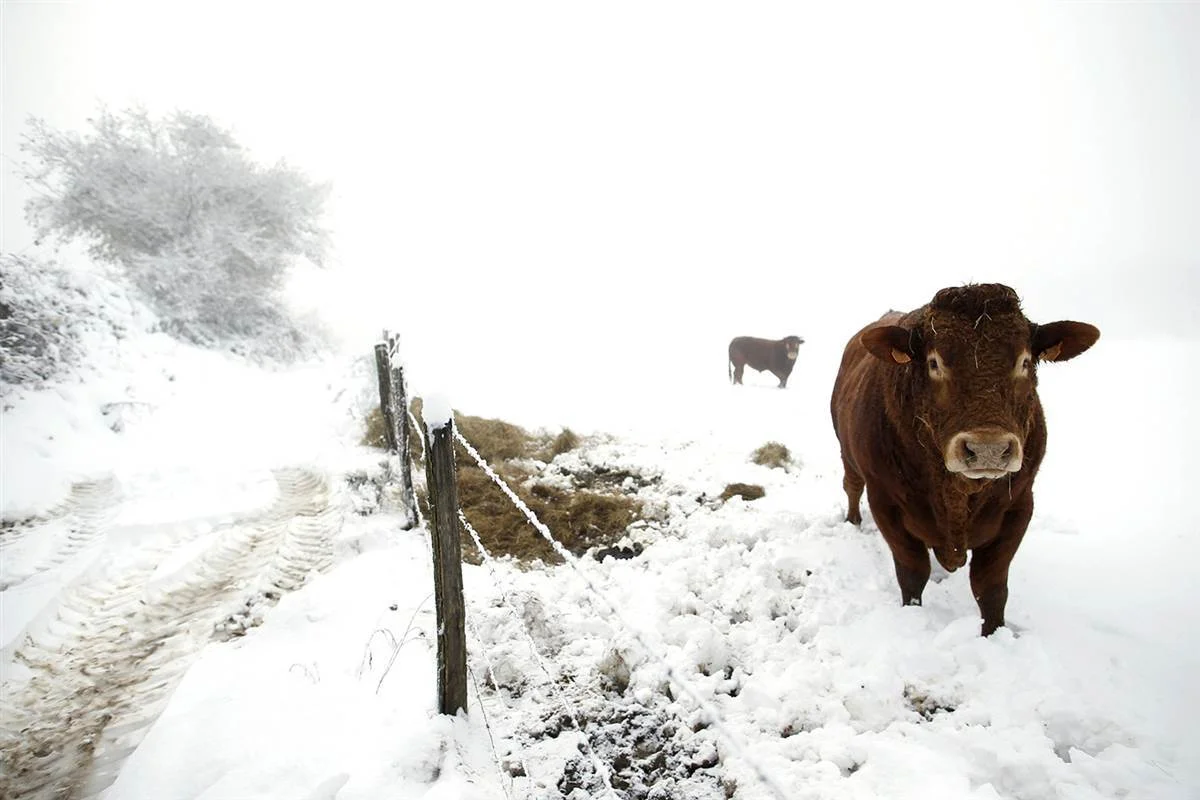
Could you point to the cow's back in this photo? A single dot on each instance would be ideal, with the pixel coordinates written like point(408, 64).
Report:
point(749, 344)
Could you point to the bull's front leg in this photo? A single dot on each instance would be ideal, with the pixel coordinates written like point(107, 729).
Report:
point(989, 566)
point(909, 554)
point(853, 483)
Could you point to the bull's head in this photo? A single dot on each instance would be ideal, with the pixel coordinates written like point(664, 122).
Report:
point(971, 371)
point(792, 344)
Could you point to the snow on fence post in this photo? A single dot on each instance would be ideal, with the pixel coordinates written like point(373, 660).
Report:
point(393, 404)
point(447, 563)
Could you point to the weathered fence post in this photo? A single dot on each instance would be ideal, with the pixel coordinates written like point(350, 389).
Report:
point(447, 566)
point(393, 403)
point(383, 370)
point(400, 421)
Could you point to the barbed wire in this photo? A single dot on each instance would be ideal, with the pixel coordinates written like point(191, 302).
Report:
point(416, 431)
point(483, 710)
point(491, 669)
point(714, 716)
point(489, 562)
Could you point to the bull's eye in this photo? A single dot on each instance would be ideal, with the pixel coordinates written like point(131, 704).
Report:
point(937, 367)
point(1024, 366)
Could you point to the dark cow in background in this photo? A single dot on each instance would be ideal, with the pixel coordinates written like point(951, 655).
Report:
point(776, 356)
point(938, 416)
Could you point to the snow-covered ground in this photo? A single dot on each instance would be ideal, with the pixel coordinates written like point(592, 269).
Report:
point(221, 507)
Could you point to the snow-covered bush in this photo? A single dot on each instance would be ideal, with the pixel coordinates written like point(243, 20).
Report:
point(206, 235)
point(47, 313)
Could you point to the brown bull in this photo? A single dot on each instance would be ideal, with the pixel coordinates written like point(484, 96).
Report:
point(938, 417)
point(776, 356)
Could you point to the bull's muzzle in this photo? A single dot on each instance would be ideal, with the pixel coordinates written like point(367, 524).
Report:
point(984, 453)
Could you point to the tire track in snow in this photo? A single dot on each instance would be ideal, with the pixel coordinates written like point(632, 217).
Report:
point(104, 668)
point(66, 530)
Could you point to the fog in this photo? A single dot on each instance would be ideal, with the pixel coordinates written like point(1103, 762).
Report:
point(593, 199)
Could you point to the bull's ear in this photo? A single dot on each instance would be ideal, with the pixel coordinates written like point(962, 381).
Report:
point(889, 343)
point(1062, 341)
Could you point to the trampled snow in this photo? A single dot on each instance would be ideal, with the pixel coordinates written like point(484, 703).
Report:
point(782, 616)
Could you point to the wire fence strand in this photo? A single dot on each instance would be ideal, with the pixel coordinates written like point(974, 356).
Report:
point(416, 428)
point(601, 770)
point(714, 716)
point(483, 711)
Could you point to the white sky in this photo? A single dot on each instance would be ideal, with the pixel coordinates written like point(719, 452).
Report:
point(688, 171)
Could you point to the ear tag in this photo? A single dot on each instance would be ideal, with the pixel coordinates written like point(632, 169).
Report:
point(900, 357)
point(1051, 353)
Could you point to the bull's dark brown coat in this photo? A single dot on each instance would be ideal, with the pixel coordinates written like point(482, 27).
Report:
point(938, 417)
point(776, 356)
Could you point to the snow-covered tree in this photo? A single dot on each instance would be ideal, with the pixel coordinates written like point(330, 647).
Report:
point(205, 233)
point(51, 318)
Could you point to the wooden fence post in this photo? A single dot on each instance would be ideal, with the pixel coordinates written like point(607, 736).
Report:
point(401, 434)
point(393, 404)
point(447, 569)
point(382, 369)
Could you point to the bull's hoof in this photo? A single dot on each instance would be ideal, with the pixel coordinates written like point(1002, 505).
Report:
point(950, 559)
point(854, 518)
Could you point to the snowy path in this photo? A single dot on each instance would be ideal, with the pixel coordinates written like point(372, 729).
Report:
point(91, 679)
point(50, 541)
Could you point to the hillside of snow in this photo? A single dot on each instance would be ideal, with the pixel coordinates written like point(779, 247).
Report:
point(195, 603)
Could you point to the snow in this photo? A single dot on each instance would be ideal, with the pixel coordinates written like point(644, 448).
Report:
point(436, 411)
point(301, 708)
point(780, 616)
point(205, 593)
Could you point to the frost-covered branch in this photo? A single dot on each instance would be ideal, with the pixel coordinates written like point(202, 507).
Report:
point(207, 235)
